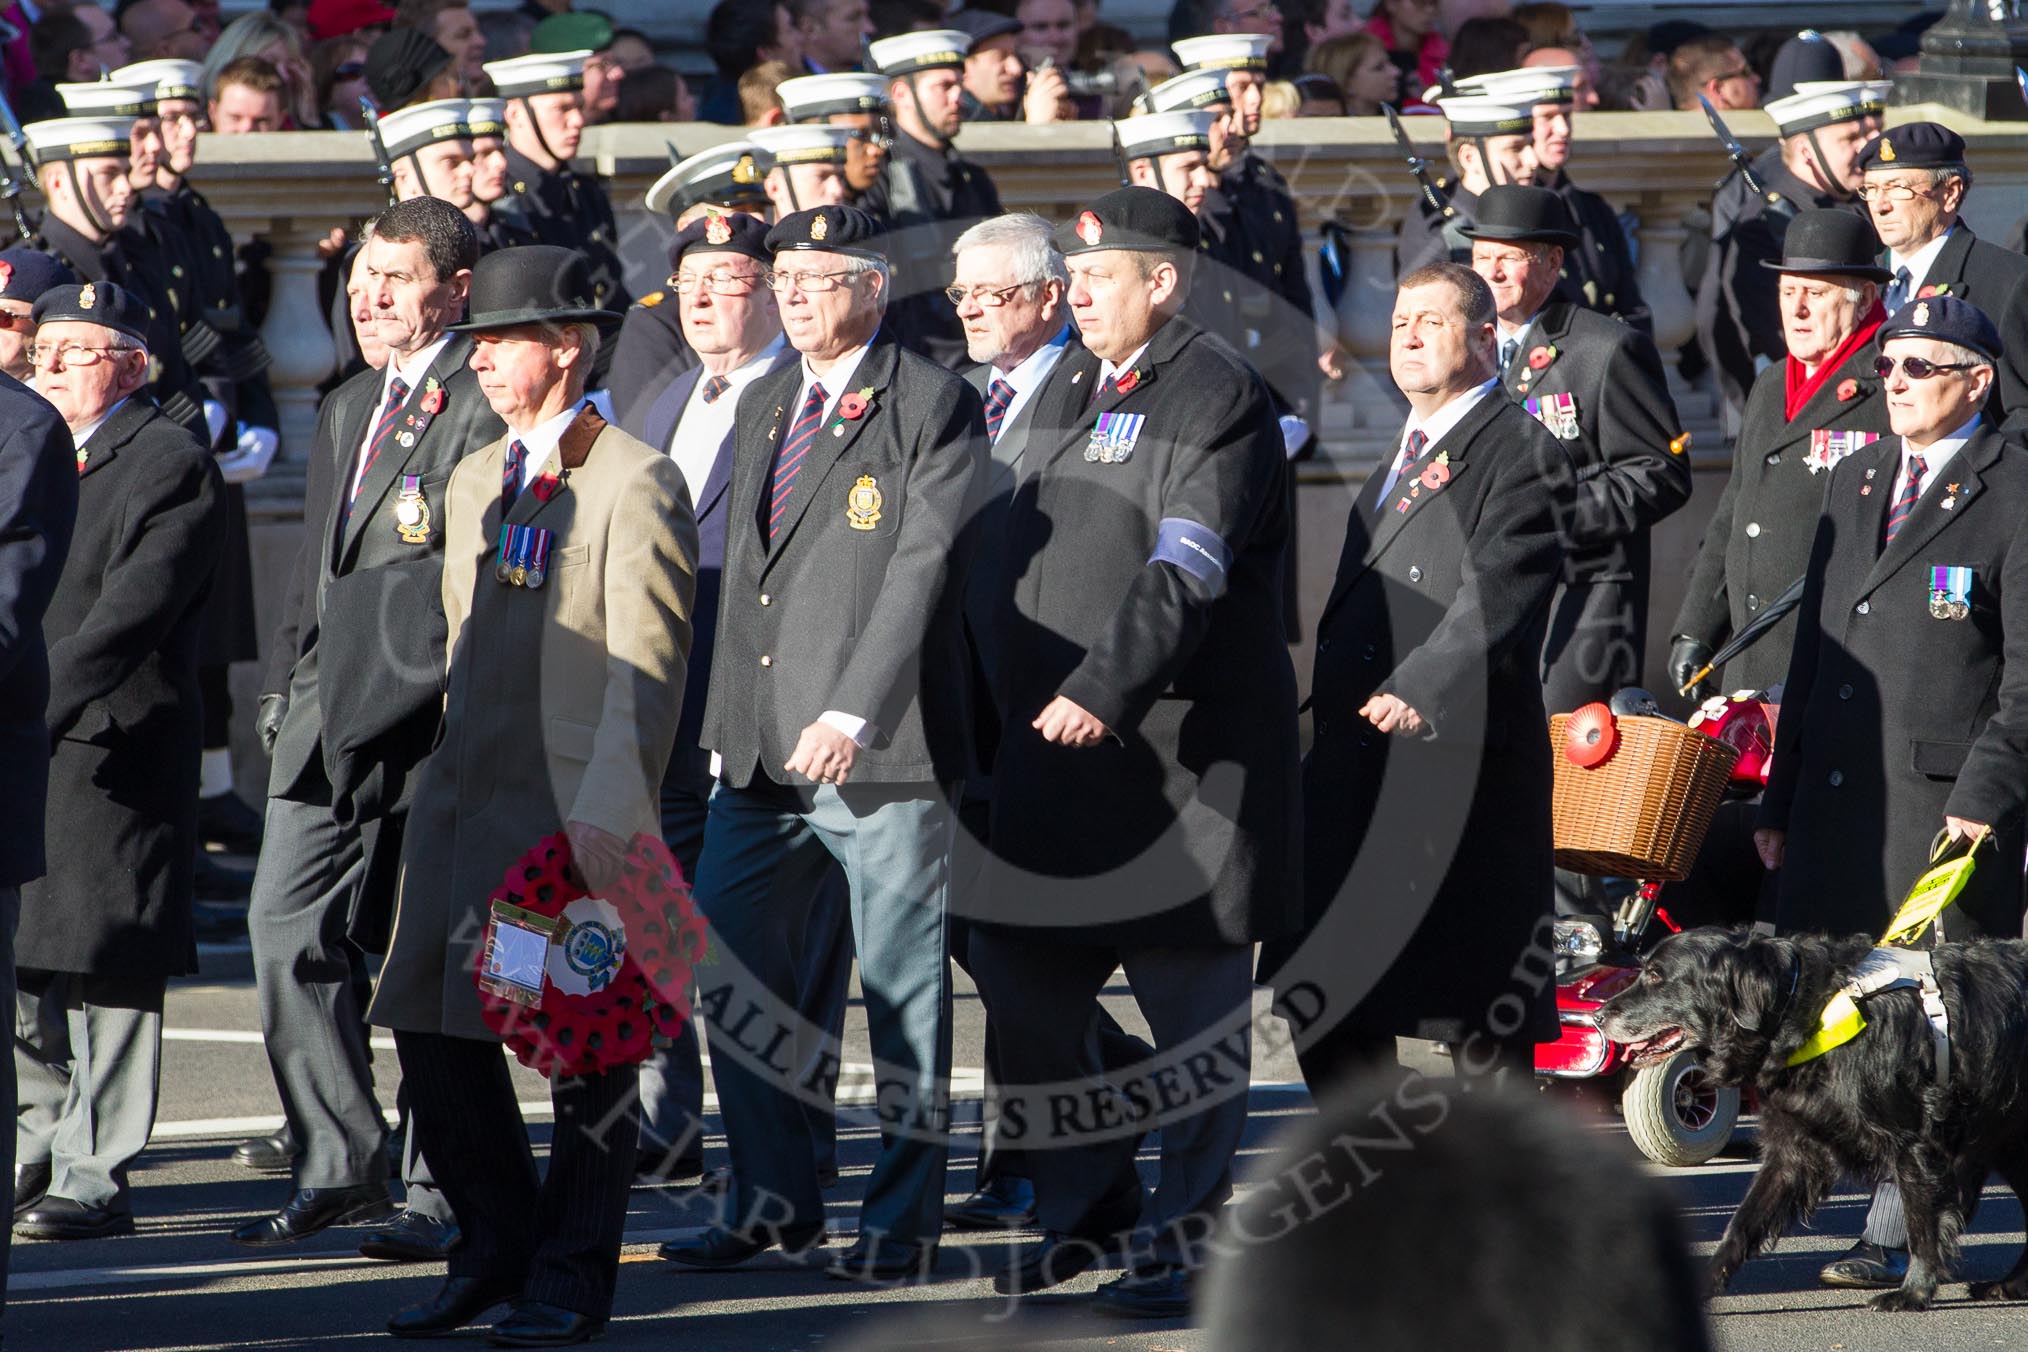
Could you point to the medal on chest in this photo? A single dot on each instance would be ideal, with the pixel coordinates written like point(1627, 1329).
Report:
point(1950, 592)
point(1557, 412)
point(1828, 447)
point(412, 512)
point(1113, 437)
point(523, 557)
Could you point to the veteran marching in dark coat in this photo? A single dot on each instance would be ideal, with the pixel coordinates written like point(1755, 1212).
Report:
point(1427, 844)
point(1144, 790)
point(1796, 428)
point(111, 923)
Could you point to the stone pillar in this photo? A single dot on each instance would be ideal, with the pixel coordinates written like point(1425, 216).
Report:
point(1968, 62)
point(299, 342)
point(1365, 311)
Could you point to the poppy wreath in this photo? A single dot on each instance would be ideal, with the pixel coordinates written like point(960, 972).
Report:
point(566, 1034)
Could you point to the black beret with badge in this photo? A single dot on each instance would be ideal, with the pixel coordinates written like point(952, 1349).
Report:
point(1135, 218)
point(25, 273)
point(829, 229)
point(1947, 319)
point(1914, 145)
point(731, 234)
point(102, 303)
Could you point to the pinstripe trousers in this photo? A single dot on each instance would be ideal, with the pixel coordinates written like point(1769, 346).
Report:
point(560, 1235)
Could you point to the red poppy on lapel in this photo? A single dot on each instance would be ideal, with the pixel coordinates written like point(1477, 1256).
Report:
point(1848, 388)
point(852, 406)
point(545, 487)
point(1126, 381)
point(433, 402)
point(1540, 357)
point(1934, 289)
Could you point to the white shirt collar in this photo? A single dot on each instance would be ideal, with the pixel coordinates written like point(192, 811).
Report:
point(739, 377)
point(540, 441)
point(1107, 370)
point(415, 369)
point(1450, 415)
point(1920, 262)
point(835, 381)
point(1941, 451)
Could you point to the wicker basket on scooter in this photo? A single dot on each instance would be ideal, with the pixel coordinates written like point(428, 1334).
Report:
point(1641, 812)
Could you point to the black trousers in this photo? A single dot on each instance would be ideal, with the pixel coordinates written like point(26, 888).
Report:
point(559, 1236)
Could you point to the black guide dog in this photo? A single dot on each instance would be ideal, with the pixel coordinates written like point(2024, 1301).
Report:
point(1871, 1108)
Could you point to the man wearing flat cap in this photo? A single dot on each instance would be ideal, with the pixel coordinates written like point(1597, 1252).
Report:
point(1143, 660)
point(25, 274)
point(839, 713)
point(108, 926)
point(1818, 404)
point(1916, 182)
point(561, 702)
point(1902, 716)
point(1815, 166)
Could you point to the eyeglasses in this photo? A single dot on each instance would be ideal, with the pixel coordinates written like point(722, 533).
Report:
point(719, 283)
point(812, 283)
point(9, 321)
point(1892, 192)
point(1918, 368)
point(992, 297)
point(71, 354)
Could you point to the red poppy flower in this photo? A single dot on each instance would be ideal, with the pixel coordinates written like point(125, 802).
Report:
point(1434, 476)
point(1929, 291)
point(1126, 381)
point(852, 406)
point(1540, 357)
point(545, 487)
point(1847, 389)
point(1590, 736)
point(433, 402)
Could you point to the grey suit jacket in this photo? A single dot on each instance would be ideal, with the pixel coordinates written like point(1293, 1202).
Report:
point(854, 605)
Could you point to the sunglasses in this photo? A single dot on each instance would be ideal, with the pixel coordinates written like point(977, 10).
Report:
point(1918, 368)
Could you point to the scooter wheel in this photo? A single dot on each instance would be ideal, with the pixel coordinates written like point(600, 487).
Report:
point(1676, 1114)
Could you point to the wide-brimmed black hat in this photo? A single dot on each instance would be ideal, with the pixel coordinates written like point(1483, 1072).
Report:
point(1830, 240)
point(532, 284)
point(1511, 214)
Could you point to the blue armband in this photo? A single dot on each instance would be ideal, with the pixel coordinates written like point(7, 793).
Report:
point(1195, 549)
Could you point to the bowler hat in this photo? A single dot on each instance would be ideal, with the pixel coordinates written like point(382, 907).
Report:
point(1511, 214)
point(1831, 240)
point(531, 284)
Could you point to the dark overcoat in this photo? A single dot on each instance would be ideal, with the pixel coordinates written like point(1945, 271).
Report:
point(1437, 847)
point(1632, 471)
point(1895, 716)
point(1758, 539)
point(38, 509)
point(1146, 589)
point(1995, 280)
point(860, 618)
point(1601, 267)
point(124, 718)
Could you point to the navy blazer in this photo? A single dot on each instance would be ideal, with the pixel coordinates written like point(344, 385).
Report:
point(656, 424)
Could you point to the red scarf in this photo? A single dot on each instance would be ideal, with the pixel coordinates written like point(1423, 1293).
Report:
point(1801, 389)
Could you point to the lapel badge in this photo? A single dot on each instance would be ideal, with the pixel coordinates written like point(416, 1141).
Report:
point(1539, 357)
point(407, 439)
point(863, 503)
point(1950, 497)
point(412, 512)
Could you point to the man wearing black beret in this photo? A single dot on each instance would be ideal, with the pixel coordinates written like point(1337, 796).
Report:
point(108, 926)
point(1902, 714)
point(25, 274)
point(1916, 182)
point(838, 712)
point(1144, 809)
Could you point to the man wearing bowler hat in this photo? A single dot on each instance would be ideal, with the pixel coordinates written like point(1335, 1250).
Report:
point(1805, 414)
point(562, 698)
point(1902, 716)
point(1915, 185)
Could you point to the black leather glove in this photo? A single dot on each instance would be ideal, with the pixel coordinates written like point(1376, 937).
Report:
point(1687, 657)
point(268, 723)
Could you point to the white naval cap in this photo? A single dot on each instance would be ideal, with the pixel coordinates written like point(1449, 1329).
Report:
point(109, 98)
point(420, 124)
point(814, 143)
point(1477, 115)
point(1224, 51)
point(172, 79)
point(1819, 103)
point(1527, 85)
point(539, 73)
point(813, 96)
point(907, 53)
point(487, 117)
point(725, 174)
point(1192, 89)
point(78, 138)
point(1155, 134)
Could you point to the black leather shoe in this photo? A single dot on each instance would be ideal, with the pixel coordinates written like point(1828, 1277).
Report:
point(883, 1260)
point(1051, 1261)
point(1866, 1267)
point(227, 823)
point(1006, 1203)
point(216, 882)
point(719, 1247)
point(534, 1324)
point(61, 1218)
point(31, 1185)
point(1153, 1293)
point(274, 1154)
point(457, 1303)
point(314, 1209)
point(411, 1238)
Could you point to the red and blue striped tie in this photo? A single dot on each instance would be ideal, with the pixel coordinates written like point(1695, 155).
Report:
point(999, 395)
point(1911, 493)
point(397, 395)
point(511, 470)
point(789, 457)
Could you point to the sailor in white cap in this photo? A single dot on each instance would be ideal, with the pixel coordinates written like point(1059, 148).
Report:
point(929, 194)
point(545, 119)
point(802, 167)
point(1823, 126)
point(1599, 271)
point(851, 100)
point(429, 151)
point(1491, 141)
point(498, 215)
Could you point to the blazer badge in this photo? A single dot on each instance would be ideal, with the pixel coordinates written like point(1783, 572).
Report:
point(863, 503)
